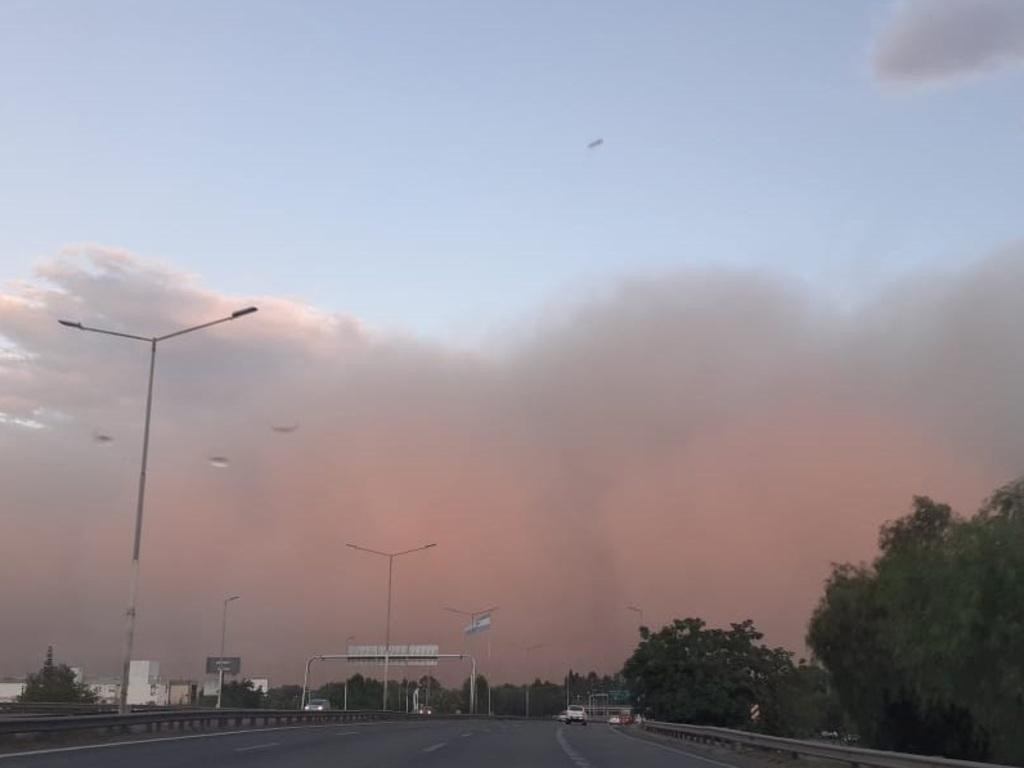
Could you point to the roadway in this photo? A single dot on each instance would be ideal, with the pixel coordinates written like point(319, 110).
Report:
point(417, 744)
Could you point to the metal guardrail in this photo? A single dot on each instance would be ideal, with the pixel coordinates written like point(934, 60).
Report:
point(189, 719)
point(20, 708)
point(858, 756)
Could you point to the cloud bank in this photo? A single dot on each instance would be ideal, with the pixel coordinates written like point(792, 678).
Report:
point(930, 40)
point(702, 444)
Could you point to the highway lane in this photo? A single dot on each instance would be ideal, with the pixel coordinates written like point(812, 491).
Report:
point(416, 744)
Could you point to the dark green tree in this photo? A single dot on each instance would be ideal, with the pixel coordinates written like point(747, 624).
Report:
point(688, 672)
point(925, 646)
point(481, 694)
point(799, 701)
point(241, 694)
point(283, 697)
point(363, 693)
point(55, 683)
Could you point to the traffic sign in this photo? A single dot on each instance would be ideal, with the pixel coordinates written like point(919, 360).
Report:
point(231, 665)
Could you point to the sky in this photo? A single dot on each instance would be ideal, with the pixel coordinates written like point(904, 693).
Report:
point(686, 369)
point(424, 166)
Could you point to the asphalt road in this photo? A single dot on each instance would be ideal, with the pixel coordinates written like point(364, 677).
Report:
point(420, 744)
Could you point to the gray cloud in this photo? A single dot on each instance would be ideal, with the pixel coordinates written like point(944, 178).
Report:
point(706, 443)
point(938, 39)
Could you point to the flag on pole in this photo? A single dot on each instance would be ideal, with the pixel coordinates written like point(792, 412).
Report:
point(479, 624)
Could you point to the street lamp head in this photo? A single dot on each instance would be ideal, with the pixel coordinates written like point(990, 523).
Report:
point(232, 597)
point(70, 324)
point(246, 311)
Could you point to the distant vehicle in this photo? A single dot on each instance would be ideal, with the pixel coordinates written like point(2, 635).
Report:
point(563, 716)
point(426, 711)
point(615, 720)
point(575, 714)
point(625, 718)
point(317, 705)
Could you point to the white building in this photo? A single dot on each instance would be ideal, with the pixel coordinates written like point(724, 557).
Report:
point(144, 686)
point(181, 692)
point(10, 689)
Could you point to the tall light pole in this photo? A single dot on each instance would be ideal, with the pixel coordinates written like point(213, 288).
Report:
point(527, 649)
point(387, 632)
point(223, 637)
point(637, 610)
point(472, 621)
point(129, 634)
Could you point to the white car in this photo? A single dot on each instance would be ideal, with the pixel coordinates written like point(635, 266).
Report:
point(575, 714)
point(317, 705)
point(615, 720)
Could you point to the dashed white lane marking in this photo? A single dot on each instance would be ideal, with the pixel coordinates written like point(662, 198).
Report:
point(576, 757)
point(466, 735)
point(694, 755)
point(347, 733)
point(434, 747)
point(257, 746)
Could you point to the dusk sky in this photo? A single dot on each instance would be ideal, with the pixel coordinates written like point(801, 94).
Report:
point(687, 369)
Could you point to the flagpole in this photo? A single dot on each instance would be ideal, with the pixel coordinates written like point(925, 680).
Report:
point(475, 628)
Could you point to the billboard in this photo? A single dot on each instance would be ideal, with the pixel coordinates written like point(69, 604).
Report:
point(230, 664)
point(408, 655)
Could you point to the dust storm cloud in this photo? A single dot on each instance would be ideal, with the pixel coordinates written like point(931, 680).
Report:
point(701, 444)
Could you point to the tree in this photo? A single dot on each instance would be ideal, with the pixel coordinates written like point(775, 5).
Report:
point(481, 694)
point(925, 646)
point(241, 694)
point(800, 702)
point(283, 697)
point(691, 673)
point(55, 683)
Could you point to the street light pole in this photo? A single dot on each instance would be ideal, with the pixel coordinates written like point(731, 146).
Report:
point(387, 631)
point(223, 637)
point(129, 634)
point(387, 635)
point(637, 610)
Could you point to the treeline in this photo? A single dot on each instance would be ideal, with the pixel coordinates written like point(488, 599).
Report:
point(920, 651)
point(546, 699)
point(689, 672)
point(926, 644)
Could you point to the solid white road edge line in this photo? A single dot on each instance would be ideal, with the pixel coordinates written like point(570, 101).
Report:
point(672, 749)
point(134, 742)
